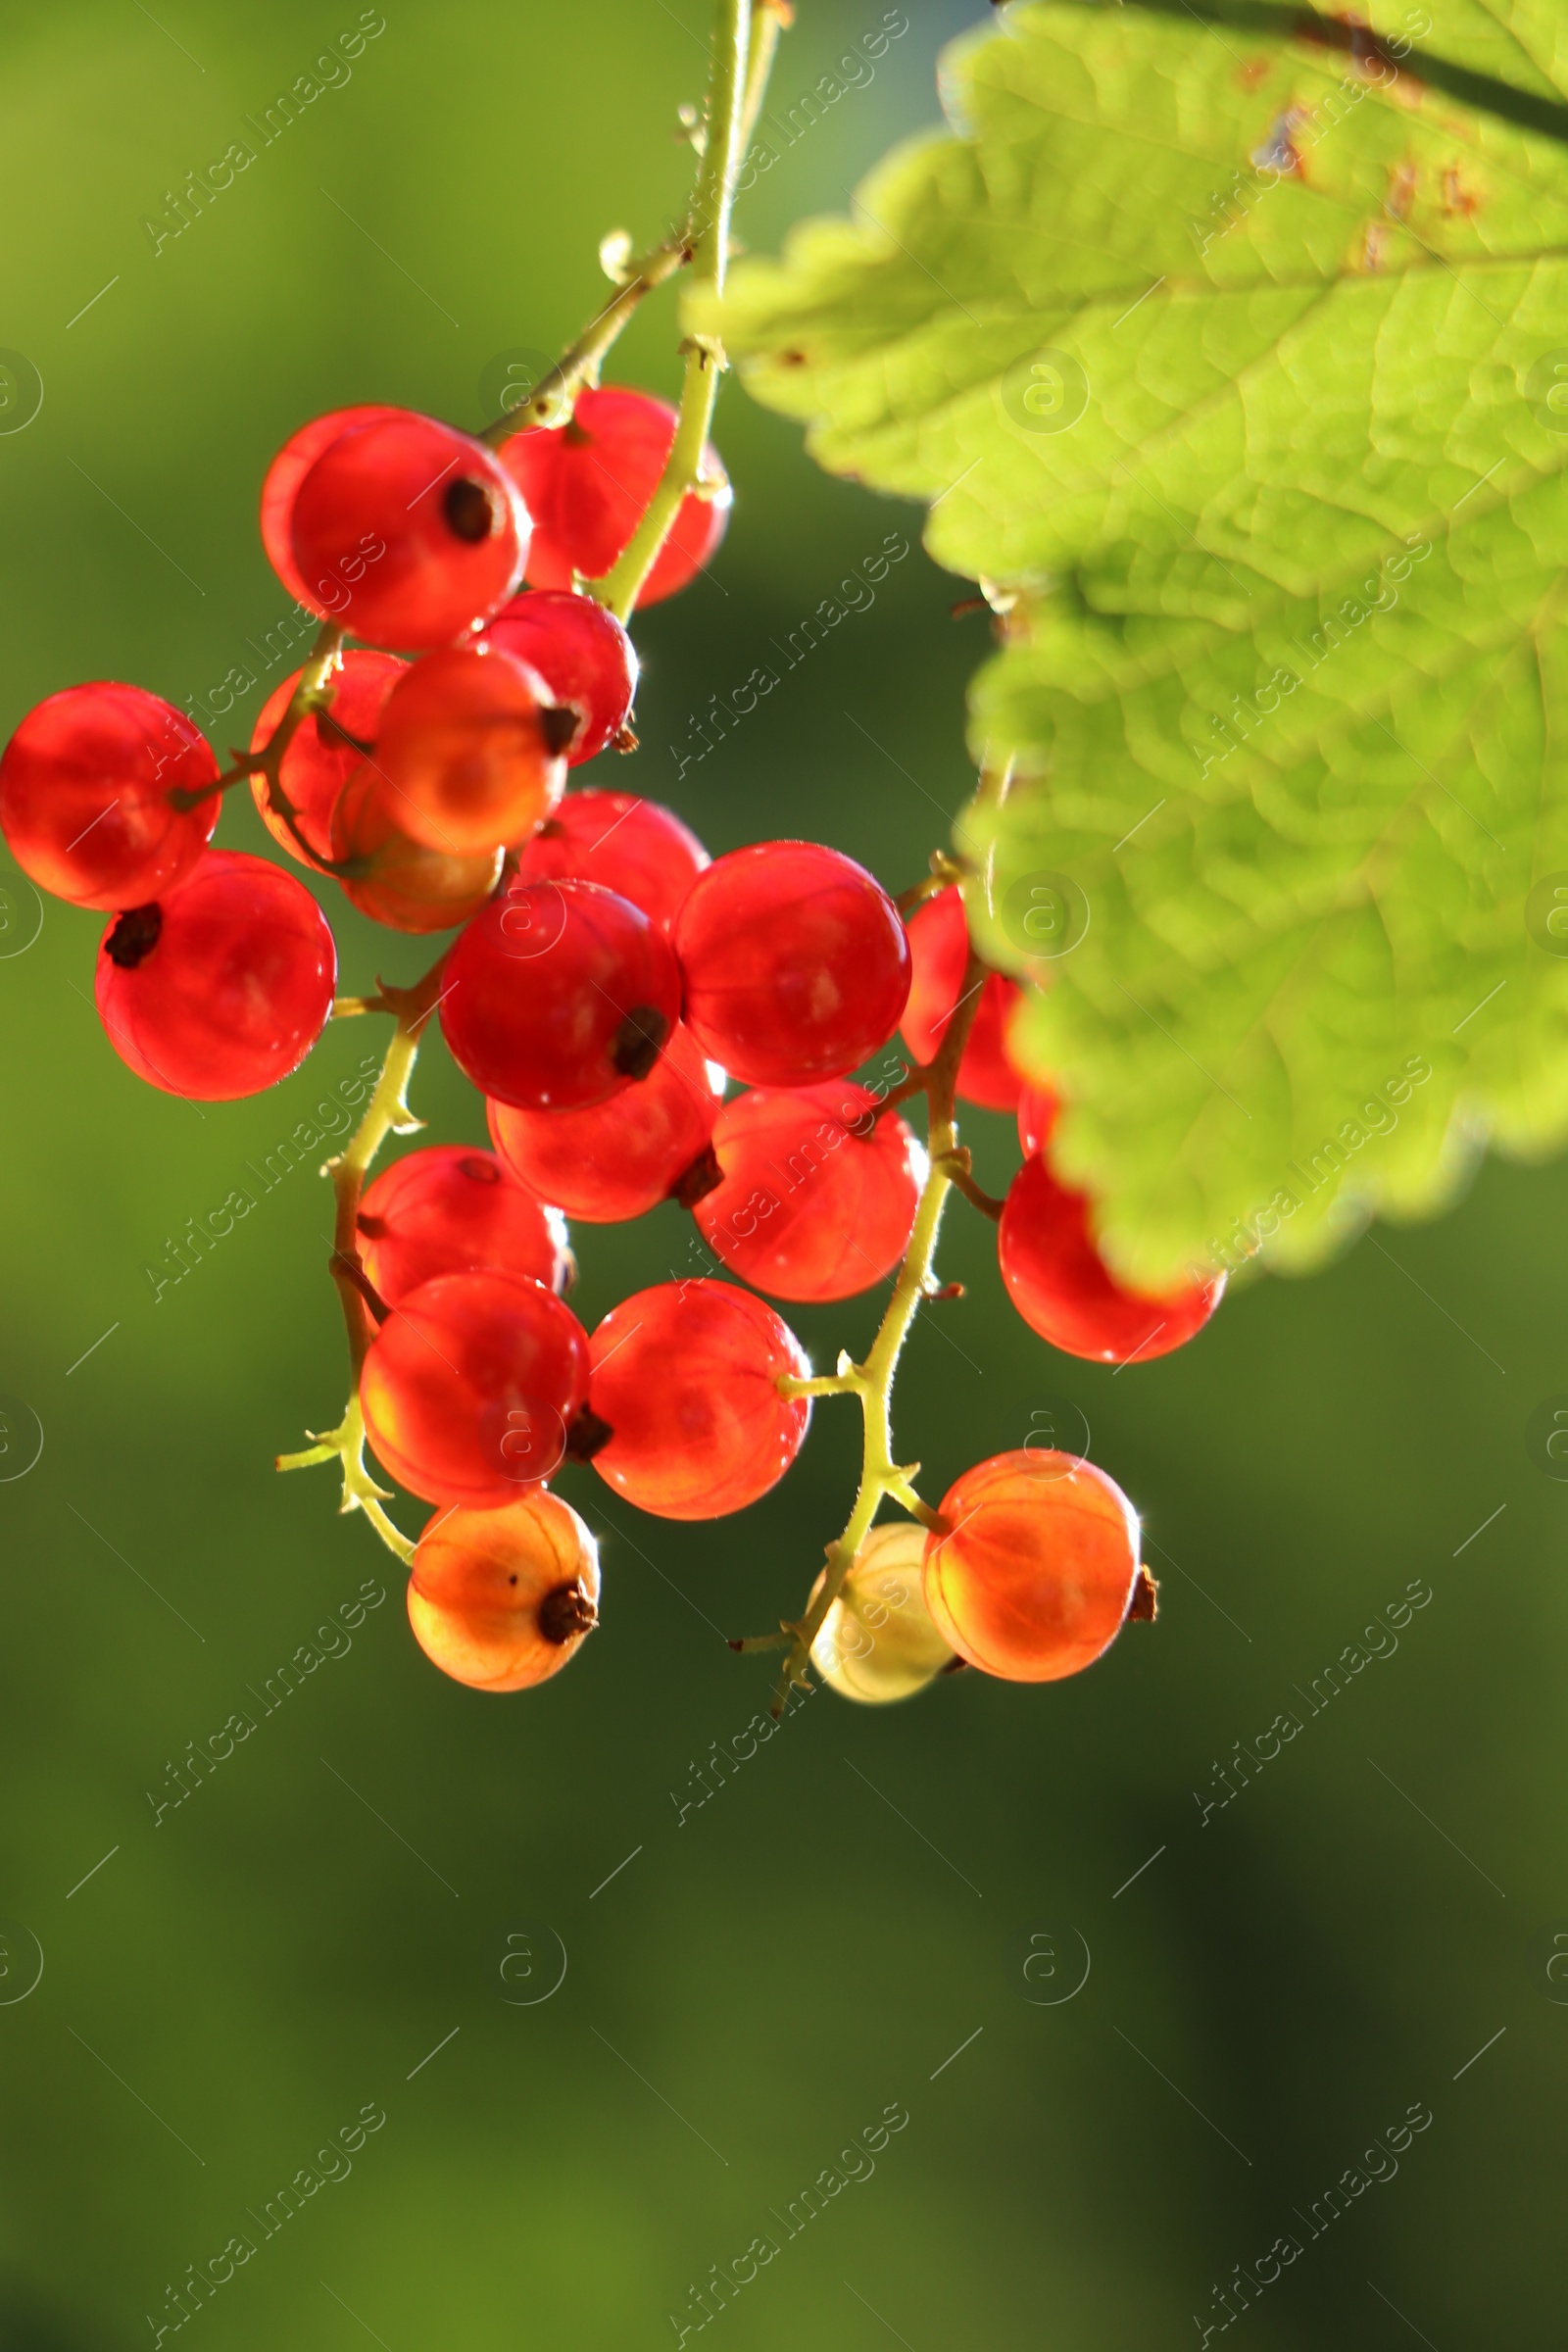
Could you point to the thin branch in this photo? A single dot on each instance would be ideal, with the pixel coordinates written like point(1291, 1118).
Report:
point(722, 151)
point(872, 1381)
point(386, 1113)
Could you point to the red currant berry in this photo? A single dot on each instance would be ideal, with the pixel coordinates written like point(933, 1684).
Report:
point(501, 1599)
point(407, 531)
point(318, 762)
point(634, 847)
point(817, 1201)
point(585, 656)
point(1038, 1107)
point(221, 987)
point(1063, 1290)
point(794, 962)
point(686, 1376)
point(588, 484)
point(622, 1157)
point(471, 1386)
point(557, 995)
point(1037, 1574)
point(472, 747)
point(84, 786)
point(938, 943)
point(397, 881)
point(285, 476)
point(452, 1210)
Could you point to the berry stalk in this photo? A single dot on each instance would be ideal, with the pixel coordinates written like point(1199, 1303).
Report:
point(722, 152)
point(872, 1381)
point(386, 1113)
point(551, 398)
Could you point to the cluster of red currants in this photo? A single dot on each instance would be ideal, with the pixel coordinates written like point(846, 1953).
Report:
point(608, 981)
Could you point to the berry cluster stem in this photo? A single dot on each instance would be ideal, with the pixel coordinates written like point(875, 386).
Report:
point(723, 147)
point(872, 1381)
point(386, 1113)
point(313, 693)
point(551, 401)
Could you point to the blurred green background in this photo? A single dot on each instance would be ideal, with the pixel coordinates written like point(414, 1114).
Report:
point(232, 1985)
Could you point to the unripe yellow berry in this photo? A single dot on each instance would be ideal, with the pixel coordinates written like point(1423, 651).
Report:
point(877, 1642)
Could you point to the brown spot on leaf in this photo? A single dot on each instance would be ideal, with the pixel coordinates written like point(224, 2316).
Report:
point(1401, 192)
point(1458, 202)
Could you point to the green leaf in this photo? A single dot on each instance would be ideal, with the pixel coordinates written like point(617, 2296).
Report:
point(1237, 360)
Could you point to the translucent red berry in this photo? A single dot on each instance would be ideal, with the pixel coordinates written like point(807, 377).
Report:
point(585, 656)
point(634, 847)
point(222, 986)
point(1038, 1107)
point(587, 486)
point(686, 1376)
point(795, 961)
point(817, 1201)
point(285, 476)
point(557, 995)
point(318, 762)
point(453, 1210)
point(1063, 1290)
point(84, 786)
point(939, 944)
point(471, 1384)
point(397, 881)
point(501, 1599)
point(407, 531)
point(622, 1157)
point(1035, 1576)
point(472, 747)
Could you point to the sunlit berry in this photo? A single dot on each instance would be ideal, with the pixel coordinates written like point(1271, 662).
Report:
point(222, 986)
point(471, 1384)
point(686, 1377)
point(1062, 1288)
point(557, 995)
point(939, 944)
point(587, 485)
point(582, 654)
point(818, 1197)
point(501, 1599)
point(318, 762)
point(84, 786)
point(795, 961)
point(471, 749)
point(1036, 1576)
point(406, 532)
point(637, 848)
point(877, 1642)
point(449, 1210)
point(619, 1159)
point(397, 881)
point(285, 476)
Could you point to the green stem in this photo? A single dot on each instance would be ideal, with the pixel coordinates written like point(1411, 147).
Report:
point(386, 1113)
point(551, 398)
point(621, 585)
point(872, 1381)
point(551, 401)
